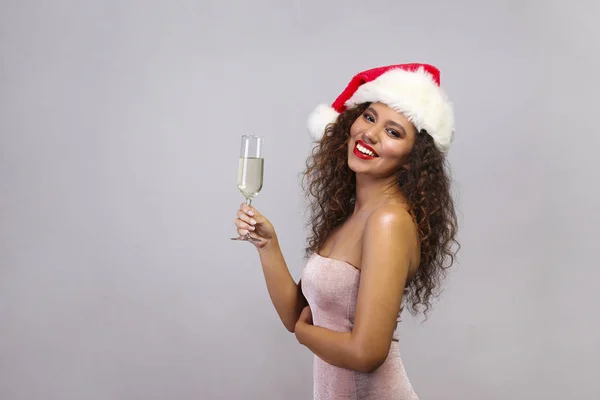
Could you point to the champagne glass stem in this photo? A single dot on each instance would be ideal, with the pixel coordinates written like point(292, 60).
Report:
point(247, 235)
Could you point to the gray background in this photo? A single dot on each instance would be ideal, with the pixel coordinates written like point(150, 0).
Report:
point(120, 124)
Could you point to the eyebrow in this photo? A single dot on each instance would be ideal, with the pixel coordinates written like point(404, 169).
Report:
point(391, 122)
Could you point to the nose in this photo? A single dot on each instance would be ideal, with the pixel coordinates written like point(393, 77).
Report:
point(370, 137)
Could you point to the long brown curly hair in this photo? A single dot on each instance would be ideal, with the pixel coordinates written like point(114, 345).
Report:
point(330, 188)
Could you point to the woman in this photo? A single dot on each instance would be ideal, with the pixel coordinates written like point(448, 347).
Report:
point(383, 229)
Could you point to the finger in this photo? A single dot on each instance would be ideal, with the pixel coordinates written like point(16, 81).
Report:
point(243, 225)
point(245, 209)
point(243, 231)
point(251, 211)
point(255, 214)
point(244, 217)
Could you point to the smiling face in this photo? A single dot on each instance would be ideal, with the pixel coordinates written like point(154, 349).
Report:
point(381, 140)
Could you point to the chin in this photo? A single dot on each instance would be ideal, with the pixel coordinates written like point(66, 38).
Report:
point(353, 165)
point(357, 168)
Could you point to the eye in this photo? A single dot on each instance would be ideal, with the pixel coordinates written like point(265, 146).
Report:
point(394, 133)
point(369, 117)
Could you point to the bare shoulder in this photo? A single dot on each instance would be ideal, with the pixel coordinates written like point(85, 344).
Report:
point(391, 219)
point(391, 233)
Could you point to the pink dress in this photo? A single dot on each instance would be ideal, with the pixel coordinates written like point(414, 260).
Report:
point(331, 288)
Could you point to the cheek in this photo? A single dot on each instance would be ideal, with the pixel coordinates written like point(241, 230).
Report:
point(356, 128)
point(397, 151)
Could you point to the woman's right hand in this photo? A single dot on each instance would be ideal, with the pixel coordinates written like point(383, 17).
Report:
point(249, 220)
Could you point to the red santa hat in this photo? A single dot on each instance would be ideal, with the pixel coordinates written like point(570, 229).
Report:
point(411, 89)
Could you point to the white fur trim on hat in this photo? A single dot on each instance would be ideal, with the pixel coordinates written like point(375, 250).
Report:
point(318, 120)
point(417, 96)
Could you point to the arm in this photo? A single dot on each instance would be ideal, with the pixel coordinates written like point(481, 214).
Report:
point(388, 244)
point(285, 294)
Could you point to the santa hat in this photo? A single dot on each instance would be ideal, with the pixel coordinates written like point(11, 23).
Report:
point(411, 89)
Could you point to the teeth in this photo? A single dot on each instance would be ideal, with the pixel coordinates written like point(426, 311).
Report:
point(364, 150)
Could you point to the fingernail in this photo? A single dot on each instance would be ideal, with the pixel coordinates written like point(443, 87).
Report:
point(253, 221)
point(250, 212)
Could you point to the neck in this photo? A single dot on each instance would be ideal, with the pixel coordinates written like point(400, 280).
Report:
point(373, 192)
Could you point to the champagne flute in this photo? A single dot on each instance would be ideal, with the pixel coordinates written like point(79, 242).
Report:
point(250, 170)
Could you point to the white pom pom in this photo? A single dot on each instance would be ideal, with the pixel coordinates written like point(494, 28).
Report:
point(318, 120)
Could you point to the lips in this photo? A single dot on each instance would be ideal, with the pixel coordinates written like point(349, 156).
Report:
point(364, 151)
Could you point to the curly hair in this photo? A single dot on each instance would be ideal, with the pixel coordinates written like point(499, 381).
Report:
point(330, 188)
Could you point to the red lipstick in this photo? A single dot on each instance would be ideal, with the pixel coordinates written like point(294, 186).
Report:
point(364, 146)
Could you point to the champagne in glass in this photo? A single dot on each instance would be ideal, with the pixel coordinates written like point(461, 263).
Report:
point(250, 177)
point(250, 170)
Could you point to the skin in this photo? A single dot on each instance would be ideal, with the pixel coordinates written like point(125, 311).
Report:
point(379, 238)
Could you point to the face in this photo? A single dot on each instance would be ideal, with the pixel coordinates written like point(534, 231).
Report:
point(381, 140)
